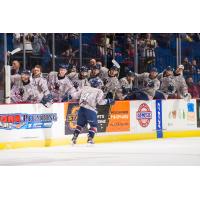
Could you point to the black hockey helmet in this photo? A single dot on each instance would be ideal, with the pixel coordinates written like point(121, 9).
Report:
point(130, 73)
point(83, 69)
point(169, 68)
point(63, 66)
point(26, 72)
point(154, 69)
point(97, 66)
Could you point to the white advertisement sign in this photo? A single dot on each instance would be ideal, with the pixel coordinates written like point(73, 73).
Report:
point(31, 122)
point(179, 115)
point(143, 116)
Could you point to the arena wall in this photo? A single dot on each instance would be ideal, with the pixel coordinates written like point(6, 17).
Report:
point(33, 125)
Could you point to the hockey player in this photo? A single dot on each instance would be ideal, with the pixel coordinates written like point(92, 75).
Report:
point(103, 73)
point(22, 90)
point(92, 63)
point(15, 72)
point(95, 71)
point(15, 69)
point(89, 96)
point(40, 86)
point(149, 84)
point(60, 87)
point(128, 83)
point(80, 79)
point(166, 73)
point(111, 83)
point(180, 84)
point(167, 87)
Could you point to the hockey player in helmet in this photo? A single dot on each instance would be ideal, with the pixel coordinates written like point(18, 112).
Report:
point(61, 88)
point(180, 83)
point(167, 86)
point(103, 71)
point(81, 79)
point(41, 88)
point(95, 71)
point(111, 83)
point(128, 83)
point(148, 86)
point(89, 97)
point(22, 91)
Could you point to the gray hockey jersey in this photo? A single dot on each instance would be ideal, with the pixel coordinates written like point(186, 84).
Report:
point(74, 77)
point(59, 87)
point(111, 85)
point(145, 84)
point(40, 87)
point(89, 97)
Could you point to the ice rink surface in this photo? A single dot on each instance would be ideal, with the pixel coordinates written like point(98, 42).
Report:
point(180, 151)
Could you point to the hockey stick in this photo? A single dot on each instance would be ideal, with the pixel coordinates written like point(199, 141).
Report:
point(115, 63)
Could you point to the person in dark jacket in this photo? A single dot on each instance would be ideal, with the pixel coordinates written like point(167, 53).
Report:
point(192, 88)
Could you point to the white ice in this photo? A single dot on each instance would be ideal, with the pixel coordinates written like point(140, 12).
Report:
point(180, 151)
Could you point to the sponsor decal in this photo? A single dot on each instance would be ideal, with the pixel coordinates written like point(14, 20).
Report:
point(144, 115)
point(110, 119)
point(27, 121)
point(71, 118)
point(183, 113)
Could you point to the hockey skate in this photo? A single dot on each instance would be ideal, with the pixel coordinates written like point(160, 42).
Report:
point(90, 140)
point(74, 139)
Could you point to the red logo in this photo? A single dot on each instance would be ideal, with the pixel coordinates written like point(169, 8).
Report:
point(144, 115)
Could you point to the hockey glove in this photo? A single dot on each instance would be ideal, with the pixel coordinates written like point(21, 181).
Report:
point(76, 84)
point(21, 91)
point(150, 84)
point(171, 88)
point(56, 86)
point(66, 98)
point(47, 101)
point(110, 101)
point(187, 96)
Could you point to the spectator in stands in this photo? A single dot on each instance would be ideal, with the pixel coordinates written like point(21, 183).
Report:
point(192, 88)
point(194, 68)
point(146, 47)
point(38, 43)
point(198, 87)
point(18, 41)
point(187, 66)
point(92, 63)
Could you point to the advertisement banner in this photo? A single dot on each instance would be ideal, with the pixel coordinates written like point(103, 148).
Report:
point(114, 118)
point(119, 117)
point(179, 115)
point(31, 121)
point(71, 113)
point(144, 116)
